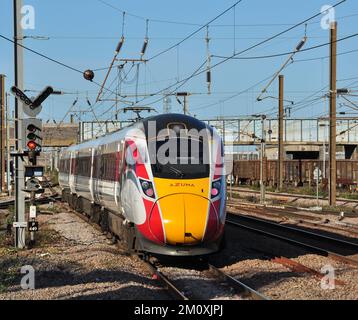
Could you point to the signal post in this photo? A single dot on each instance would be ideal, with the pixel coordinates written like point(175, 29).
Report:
point(30, 147)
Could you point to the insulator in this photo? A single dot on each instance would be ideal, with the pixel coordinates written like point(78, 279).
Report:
point(120, 44)
point(208, 77)
point(144, 48)
point(300, 45)
point(89, 103)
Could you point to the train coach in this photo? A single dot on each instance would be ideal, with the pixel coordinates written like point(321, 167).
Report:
point(158, 185)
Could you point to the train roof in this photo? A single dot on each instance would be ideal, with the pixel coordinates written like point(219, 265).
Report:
point(161, 120)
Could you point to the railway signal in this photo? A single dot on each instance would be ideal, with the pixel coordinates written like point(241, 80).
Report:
point(32, 138)
point(31, 146)
point(19, 94)
point(34, 134)
point(32, 106)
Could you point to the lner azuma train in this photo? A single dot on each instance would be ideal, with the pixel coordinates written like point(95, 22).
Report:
point(158, 185)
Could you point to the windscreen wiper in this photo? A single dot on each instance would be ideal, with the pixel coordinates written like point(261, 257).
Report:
point(176, 171)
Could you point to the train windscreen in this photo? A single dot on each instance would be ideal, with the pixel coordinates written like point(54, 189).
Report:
point(181, 158)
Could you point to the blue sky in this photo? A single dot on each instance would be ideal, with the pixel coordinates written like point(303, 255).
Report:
point(84, 34)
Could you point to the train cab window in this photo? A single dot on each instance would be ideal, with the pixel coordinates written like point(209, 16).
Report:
point(186, 161)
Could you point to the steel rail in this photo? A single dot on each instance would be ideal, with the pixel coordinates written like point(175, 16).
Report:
point(319, 250)
point(237, 190)
point(320, 237)
point(297, 217)
point(237, 284)
point(166, 281)
point(47, 199)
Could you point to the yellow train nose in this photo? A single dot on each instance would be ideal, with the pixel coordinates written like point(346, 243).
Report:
point(184, 218)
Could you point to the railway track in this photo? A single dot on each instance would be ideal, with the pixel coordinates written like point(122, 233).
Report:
point(52, 198)
point(222, 279)
point(341, 250)
point(218, 278)
point(236, 190)
point(215, 277)
point(299, 218)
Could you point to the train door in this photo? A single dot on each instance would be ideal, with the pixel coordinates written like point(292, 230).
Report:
point(116, 180)
point(96, 175)
point(91, 179)
point(119, 172)
point(72, 171)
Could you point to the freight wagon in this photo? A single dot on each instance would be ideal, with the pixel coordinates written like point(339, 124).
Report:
point(296, 172)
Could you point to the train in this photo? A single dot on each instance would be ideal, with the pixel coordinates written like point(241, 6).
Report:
point(157, 185)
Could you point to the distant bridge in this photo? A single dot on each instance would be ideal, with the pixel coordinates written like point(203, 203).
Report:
point(235, 131)
point(248, 131)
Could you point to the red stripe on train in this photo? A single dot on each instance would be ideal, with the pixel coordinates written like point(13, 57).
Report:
point(152, 228)
point(213, 222)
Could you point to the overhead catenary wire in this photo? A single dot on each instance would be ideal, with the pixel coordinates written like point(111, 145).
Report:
point(184, 80)
point(48, 58)
point(180, 84)
point(284, 65)
point(194, 32)
point(195, 74)
point(291, 52)
point(233, 96)
point(213, 25)
point(307, 49)
point(42, 55)
point(236, 54)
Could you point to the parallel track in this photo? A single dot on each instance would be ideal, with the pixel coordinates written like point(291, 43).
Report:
point(44, 200)
point(300, 218)
point(236, 190)
point(244, 290)
point(321, 244)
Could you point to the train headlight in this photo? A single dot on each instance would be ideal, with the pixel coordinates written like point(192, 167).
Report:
point(215, 189)
point(145, 185)
point(147, 188)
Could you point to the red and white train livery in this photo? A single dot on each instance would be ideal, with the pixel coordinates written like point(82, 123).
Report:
point(171, 208)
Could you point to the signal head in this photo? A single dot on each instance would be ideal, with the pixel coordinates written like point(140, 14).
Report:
point(32, 128)
point(32, 136)
point(32, 145)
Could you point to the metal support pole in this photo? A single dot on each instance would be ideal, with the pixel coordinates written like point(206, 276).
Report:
point(32, 201)
point(185, 104)
point(333, 116)
point(317, 184)
point(324, 155)
point(280, 133)
point(231, 182)
point(2, 133)
point(262, 159)
point(19, 166)
point(8, 145)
